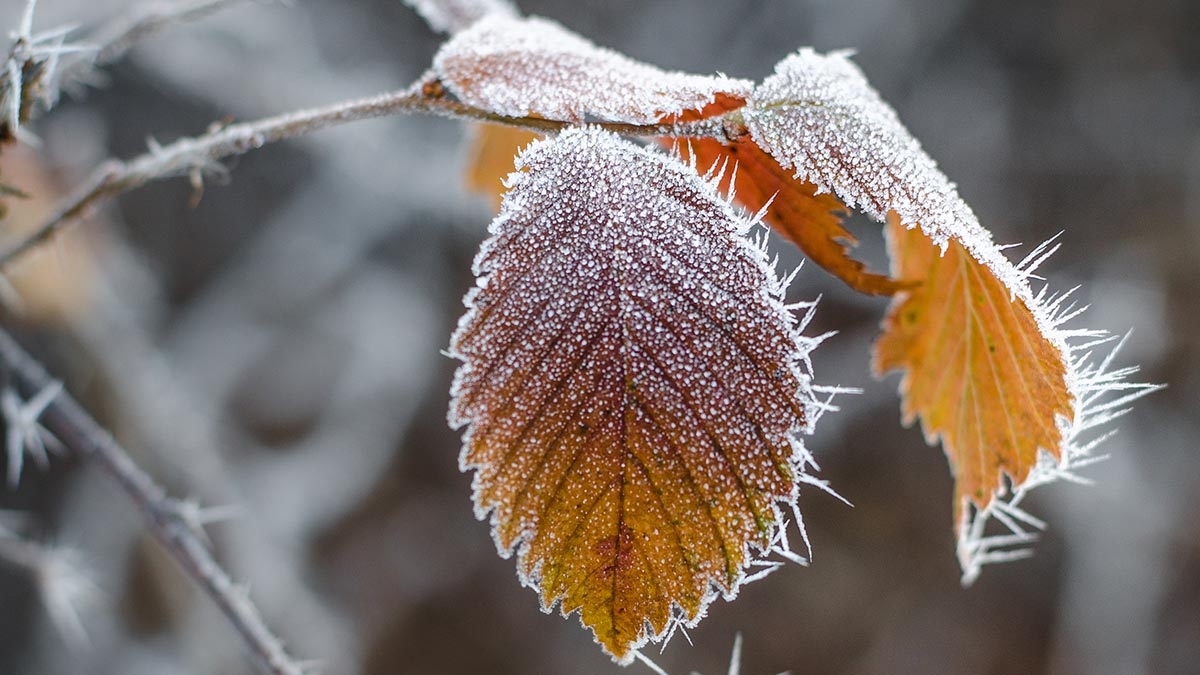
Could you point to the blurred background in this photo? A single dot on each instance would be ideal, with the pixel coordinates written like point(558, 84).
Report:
point(274, 347)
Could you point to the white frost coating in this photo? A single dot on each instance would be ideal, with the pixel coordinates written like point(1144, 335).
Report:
point(518, 67)
point(819, 116)
point(616, 278)
point(452, 16)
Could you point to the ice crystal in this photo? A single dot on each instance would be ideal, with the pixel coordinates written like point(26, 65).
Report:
point(24, 433)
point(534, 66)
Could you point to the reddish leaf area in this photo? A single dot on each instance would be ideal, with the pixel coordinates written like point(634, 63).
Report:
point(978, 370)
point(631, 386)
point(533, 66)
point(811, 221)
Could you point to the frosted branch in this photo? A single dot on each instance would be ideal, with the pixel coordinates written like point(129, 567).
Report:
point(111, 43)
point(172, 522)
point(200, 155)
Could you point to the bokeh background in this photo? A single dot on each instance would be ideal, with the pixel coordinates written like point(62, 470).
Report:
point(275, 347)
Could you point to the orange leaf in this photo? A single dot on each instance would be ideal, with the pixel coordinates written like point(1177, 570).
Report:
point(978, 369)
point(632, 386)
point(490, 157)
point(811, 221)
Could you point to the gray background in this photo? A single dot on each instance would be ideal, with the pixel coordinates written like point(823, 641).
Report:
point(277, 347)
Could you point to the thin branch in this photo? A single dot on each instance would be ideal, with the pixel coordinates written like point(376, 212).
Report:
point(39, 66)
point(167, 519)
point(199, 155)
point(113, 42)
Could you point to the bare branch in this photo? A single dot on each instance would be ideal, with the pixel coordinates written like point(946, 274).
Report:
point(169, 520)
point(39, 66)
point(114, 41)
point(195, 156)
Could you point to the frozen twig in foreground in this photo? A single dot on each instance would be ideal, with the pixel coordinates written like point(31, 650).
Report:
point(199, 155)
point(168, 519)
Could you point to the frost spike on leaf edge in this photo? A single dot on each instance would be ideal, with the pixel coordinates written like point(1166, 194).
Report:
point(590, 223)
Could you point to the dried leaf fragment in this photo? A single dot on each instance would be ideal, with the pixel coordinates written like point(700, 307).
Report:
point(492, 148)
point(632, 387)
point(519, 67)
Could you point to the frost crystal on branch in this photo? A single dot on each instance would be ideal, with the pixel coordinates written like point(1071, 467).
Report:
point(24, 434)
point(632, 386)
point(521, 67)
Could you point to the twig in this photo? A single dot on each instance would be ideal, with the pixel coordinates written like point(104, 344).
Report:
point(166, 518)
point(113, 42)
point(194, 156)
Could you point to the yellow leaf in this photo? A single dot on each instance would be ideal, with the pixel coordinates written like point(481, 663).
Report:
point(632, 387)
point(979, 371)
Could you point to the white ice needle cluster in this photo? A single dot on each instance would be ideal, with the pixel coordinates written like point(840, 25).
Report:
point(24, 434)
point(29, 71)
point(818, 115)
point(533, 66)
point(62, 579)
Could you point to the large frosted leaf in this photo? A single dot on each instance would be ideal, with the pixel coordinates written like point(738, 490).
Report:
point(632, 388)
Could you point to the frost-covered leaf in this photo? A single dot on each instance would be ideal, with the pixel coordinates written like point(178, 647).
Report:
point(632, 387)
point(818, 116)
point(533, 66)
point(988, 368)
point(492, 148)
point(979, 371)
